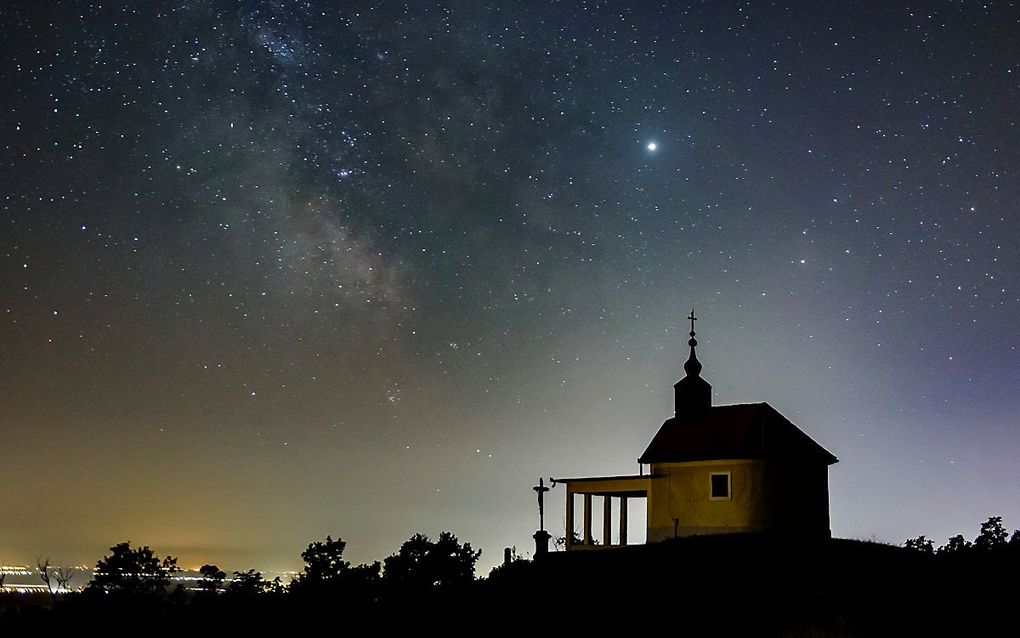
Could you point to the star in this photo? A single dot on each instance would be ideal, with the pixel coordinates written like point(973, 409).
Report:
point(652, 146)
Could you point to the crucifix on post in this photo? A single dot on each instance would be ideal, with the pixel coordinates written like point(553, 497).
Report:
point(541, 536)
point(541, 489)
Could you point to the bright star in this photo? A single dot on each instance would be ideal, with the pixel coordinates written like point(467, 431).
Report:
point(652, 146)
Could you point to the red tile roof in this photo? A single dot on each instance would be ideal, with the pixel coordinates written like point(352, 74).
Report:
point(745, 431)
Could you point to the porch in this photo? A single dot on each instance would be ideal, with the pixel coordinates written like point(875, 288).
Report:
point(621, 489)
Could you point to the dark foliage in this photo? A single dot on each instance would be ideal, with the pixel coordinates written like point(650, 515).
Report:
point(132, 572)
point(327, 575)
point(506, 570)
point(423, 567)
point(249, 583)
point(956, 546)
point(993, 541)
point(993, 536)
point(324, 560)
point(921, 544)
point(212, 578)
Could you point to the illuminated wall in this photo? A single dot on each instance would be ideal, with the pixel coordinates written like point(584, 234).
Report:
point(759, 496)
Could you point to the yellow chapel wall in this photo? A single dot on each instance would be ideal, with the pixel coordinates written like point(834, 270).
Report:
point(764, 495)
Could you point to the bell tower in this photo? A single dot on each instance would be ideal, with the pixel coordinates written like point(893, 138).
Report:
point(692, 393)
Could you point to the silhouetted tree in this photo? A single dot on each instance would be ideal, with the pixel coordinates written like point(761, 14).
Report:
point(993, 536)
point(133, 571)
point(276, 587)
point(956, 546)
point(324, 561)
point(44, 575)
point(422, 565)
point(212, 578)
point(64, 576)
point(326, 573)
point(921, 544)
point(249, 583)
point(365, 575)
point(49, 574)
point(1014, 540)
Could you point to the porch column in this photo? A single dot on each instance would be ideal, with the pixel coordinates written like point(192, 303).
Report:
point(623, 520)
point(587, 519)
point(607, 520)
point(570, 518)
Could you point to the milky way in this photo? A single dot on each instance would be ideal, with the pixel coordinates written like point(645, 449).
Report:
point(271, 271)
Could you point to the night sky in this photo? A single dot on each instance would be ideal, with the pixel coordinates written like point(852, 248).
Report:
point(276, 270)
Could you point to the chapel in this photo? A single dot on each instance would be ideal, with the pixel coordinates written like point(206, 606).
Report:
point(712, 469)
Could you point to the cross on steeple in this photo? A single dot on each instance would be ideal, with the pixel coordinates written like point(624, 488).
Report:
point(693, 393)
point(692, 343)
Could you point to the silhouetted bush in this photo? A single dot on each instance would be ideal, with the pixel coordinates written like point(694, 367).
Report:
point(128, 571)
point(212, 578)
point(993, 536)
point(422, 567)
point(327, 575)
point(921, 544)
point(248, 584)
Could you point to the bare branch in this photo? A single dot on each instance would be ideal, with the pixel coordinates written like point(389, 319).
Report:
point(44, 572)
point(64, 576)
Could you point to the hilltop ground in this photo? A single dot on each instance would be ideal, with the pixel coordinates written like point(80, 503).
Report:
point(736, 585)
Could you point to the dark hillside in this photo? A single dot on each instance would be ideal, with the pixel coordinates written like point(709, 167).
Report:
point(762, 585)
